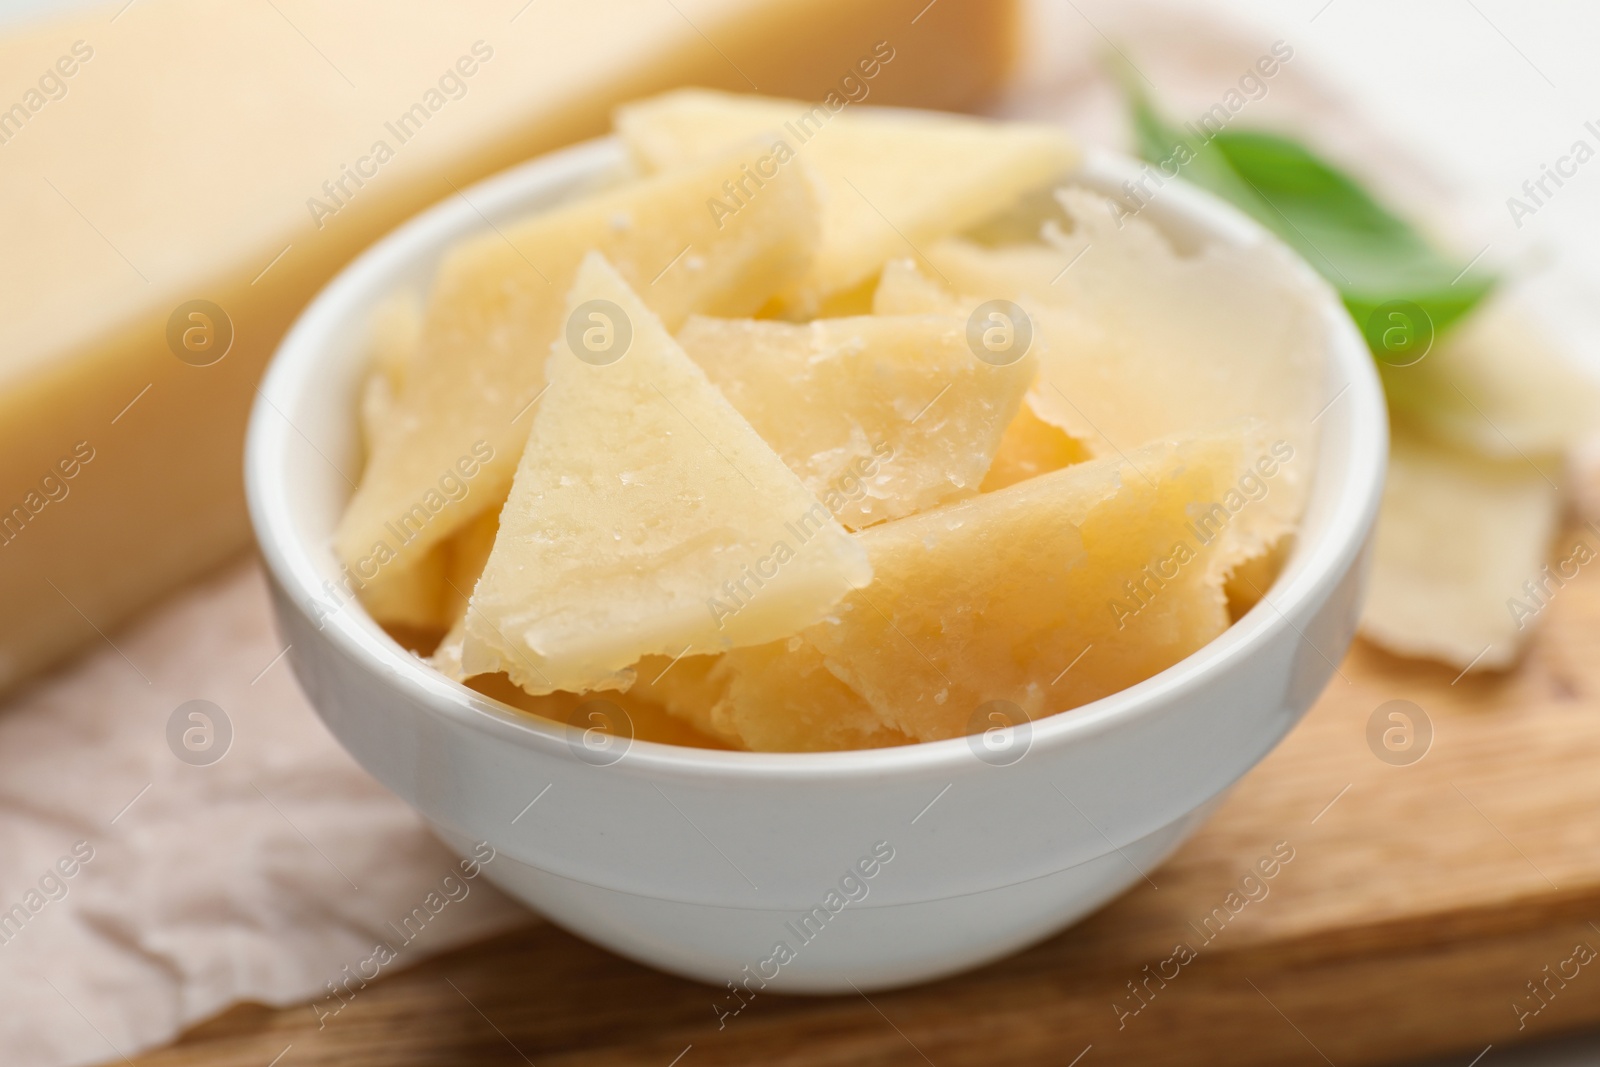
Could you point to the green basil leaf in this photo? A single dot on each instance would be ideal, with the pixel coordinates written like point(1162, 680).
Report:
point(1378, 262)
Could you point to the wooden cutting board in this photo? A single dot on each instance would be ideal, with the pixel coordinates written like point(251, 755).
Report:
point(1421, 901)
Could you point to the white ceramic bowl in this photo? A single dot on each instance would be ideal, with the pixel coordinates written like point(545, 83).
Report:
point(701, 862)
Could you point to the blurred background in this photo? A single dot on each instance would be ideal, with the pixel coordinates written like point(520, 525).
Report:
point(1446, 908)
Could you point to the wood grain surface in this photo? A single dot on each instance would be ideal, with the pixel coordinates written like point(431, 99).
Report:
point(1423, 904)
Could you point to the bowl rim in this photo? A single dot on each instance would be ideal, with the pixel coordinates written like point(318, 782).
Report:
point(354, 635)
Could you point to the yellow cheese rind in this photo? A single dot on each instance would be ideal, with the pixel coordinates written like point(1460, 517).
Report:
point(497, 305)
point(647, 518)
point(893, 181)
point(880, 416)
point(1048, 594)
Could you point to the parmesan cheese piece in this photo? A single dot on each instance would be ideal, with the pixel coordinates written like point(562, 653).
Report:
point(241, 154)
point(1459, 556)
point(498, 303)
point(893, 181)
point(1047, 594)
point(880, 416)
point(1138, 343)
point(647, 516)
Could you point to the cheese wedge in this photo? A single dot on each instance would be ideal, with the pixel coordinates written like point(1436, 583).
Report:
point(880, 417)
point(1138, 343)
point(1459, 556)
point(1048, 594)
point(893, 181)
point(647, 517)
point(1498, 384)
point(1031, 446)
point(498, 303)
point(241, 154)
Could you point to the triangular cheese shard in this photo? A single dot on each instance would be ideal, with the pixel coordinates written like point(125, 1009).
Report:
point(893, 180)
point(1459, 556)
point(880, 416)
point(1048, 594)
point(1138, 343)
point(647, 516)
point(461, 417)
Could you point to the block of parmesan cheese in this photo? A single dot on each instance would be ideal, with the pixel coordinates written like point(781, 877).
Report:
point(181, 176)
